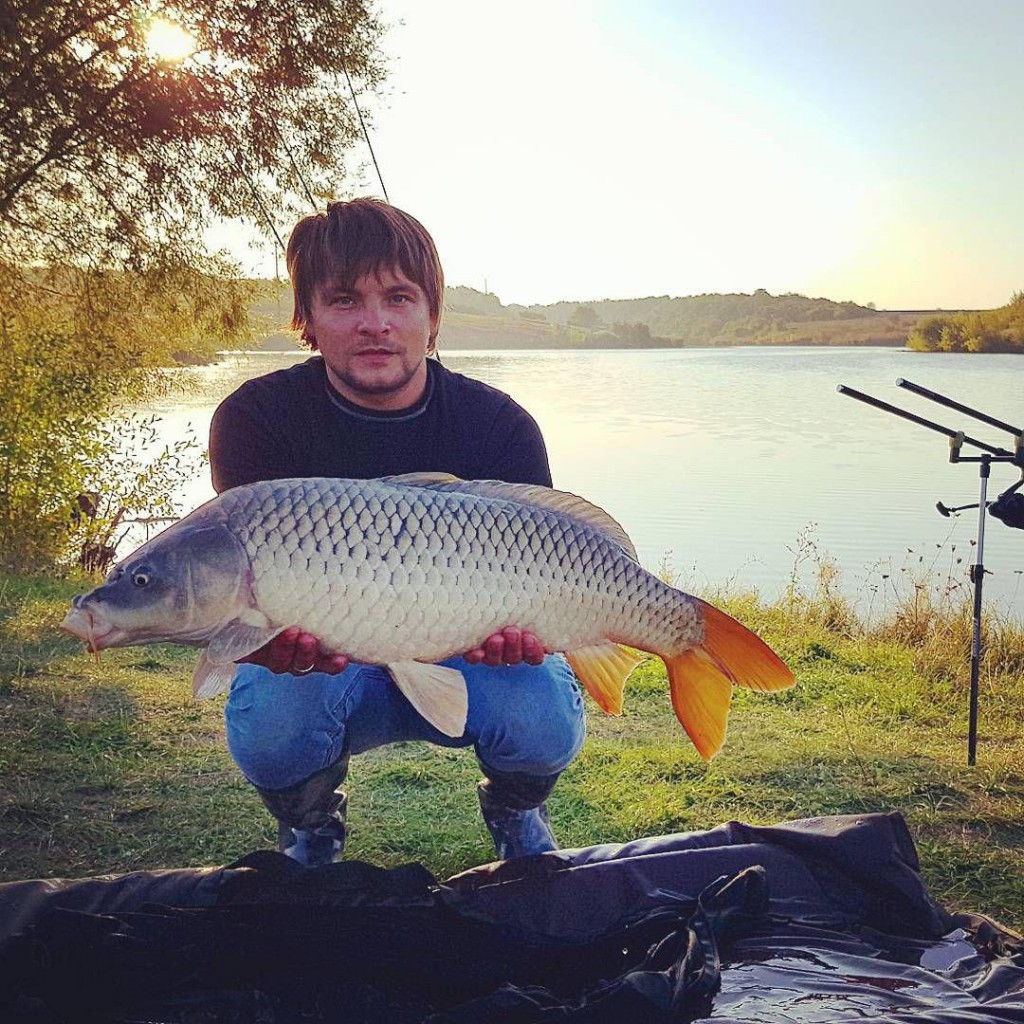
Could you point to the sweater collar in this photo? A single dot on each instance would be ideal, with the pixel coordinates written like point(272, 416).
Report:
point(381, 416)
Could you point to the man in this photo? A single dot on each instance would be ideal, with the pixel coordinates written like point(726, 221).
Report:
point(368, 291)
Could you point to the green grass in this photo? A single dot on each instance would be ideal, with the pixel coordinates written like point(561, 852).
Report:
point(107, 767)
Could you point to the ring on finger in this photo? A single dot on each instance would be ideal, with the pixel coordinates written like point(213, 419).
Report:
point(305, 671)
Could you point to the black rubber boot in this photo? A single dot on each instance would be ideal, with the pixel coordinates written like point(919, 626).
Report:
point(311, 816)
point(514, 812)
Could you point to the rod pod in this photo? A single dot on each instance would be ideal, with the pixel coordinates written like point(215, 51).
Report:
point(990, 453)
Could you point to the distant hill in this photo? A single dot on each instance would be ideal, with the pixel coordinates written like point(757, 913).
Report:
point(475, 319)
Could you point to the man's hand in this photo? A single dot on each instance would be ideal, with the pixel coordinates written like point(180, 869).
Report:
point(511, 646)
point(296, 653)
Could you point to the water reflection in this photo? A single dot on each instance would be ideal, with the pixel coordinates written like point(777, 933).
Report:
point(720, 460)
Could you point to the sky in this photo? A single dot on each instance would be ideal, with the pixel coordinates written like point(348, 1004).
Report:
point(868, 150)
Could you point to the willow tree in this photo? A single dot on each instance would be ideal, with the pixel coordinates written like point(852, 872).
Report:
point(115, 155)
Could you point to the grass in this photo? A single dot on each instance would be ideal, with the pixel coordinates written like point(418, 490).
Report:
point(111, 767)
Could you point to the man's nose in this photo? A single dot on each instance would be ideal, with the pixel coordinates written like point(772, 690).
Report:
point(375, 318)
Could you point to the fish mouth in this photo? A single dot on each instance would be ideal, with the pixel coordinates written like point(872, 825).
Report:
point(97, 635)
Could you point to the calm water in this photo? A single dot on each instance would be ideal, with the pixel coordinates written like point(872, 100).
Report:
point(718, 462)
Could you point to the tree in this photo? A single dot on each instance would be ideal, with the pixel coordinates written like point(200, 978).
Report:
point(112, 156)
point(926, 334)
point(992, 330)
point(632, 333)
point(112, 162)
point(585, 317)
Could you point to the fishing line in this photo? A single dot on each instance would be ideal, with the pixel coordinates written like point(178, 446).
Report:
point(298, 171)
point(366, 134)
point(259, 201)
point(295, 166)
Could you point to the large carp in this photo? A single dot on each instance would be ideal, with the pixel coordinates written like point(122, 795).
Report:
point(409, 570)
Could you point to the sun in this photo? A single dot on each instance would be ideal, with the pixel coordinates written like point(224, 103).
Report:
point(167, 40)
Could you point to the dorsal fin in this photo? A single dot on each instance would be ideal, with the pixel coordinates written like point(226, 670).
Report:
point(570, 505)
point(434, 481)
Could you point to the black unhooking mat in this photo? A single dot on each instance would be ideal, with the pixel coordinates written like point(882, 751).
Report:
point(823, 920)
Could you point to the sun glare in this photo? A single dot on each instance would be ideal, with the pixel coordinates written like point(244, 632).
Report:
point(168, 41)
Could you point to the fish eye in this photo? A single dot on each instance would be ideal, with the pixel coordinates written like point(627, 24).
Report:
point(141, 577)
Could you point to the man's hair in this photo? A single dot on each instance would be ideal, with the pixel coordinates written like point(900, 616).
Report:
point(359, 237)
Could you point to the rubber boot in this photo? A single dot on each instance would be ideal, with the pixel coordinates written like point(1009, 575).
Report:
point(311, 816)
point(514, 812)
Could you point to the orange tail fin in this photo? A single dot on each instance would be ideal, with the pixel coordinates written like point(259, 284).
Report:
point(701, 679)
point(701, 695)
point(741, 654)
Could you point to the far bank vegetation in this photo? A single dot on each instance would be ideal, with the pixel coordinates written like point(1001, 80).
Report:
point(475, 319)
point(989, 330)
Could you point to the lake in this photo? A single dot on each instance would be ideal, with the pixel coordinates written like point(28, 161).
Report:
point(728, 465)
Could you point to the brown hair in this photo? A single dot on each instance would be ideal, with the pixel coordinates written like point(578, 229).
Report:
point(359, 237)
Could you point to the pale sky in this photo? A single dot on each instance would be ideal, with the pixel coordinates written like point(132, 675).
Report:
point(867, 150)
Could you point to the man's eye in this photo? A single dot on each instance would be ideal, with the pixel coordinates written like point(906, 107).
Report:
point(342, 300)
point(400, 299)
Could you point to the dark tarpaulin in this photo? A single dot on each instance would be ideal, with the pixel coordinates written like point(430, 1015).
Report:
point(819, 920)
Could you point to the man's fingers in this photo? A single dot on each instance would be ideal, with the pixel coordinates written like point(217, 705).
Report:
point(296, 652)
point(281, 650)
point(494, 649)
point(304, 657)
point(332, 663)
point(533, 649)
point(513, 648)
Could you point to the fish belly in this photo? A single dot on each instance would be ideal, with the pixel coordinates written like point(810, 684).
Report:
point(386, 572)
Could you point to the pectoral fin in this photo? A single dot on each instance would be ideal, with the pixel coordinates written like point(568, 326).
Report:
point(603, 669)
point(437, 692)
point(238, 639)
point(211, 678)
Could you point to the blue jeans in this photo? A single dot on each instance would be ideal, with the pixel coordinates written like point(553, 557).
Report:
point(283, 728)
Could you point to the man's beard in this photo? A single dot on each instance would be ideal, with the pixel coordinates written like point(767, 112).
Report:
point(379, 386)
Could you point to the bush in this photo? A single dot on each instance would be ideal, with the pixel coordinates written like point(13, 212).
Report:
point(77, 348)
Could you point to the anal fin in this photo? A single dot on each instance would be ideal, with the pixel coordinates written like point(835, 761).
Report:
point(437, 692)
point(603, 669)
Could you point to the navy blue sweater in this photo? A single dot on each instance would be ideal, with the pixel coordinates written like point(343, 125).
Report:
point(292, 423)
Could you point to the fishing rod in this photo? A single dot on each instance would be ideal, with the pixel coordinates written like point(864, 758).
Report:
point(1008, 506)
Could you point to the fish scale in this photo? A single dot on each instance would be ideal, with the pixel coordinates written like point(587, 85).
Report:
point(407, 571)
point(466, 543)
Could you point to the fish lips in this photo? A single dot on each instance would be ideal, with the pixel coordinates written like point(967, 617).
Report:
point(97, 635)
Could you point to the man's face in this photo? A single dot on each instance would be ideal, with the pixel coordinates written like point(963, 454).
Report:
point(374, 338)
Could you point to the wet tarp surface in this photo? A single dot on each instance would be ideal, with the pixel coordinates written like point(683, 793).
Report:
point(824, 920)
